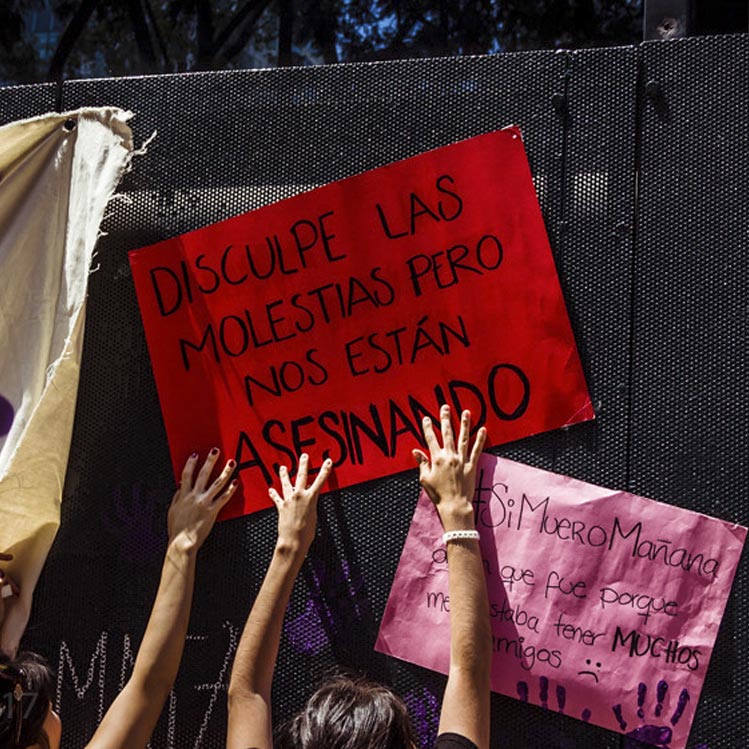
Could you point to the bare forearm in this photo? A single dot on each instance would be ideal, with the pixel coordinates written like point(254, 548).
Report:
point(256, 656)
point(250, 719)
point(466, 707)
point(164, 640)
point(470, 632)
point(132, 717)
point(470, 628)
point(449, 477)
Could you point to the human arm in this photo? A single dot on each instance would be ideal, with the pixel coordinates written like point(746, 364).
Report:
point(449, 477)
point(132, 717)
point(250, 719)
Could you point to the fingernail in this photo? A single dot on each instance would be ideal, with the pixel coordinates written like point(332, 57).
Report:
point(193, 456)
point(304, 456)
point(234, 484)
point(328, 462)
point(231, 463)
point(427, 420)
point(214, 451)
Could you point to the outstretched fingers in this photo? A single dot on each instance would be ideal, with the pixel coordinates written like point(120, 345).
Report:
point(301, 475)
point(300, 489)
point(188, 471)
point(322, 476)
point(448, 441)
point(478, 447)
point(205, 472)
point(464, 435)
point(286, 487)
point(216, 487)
point(275, 497)
point(226, 495)
point(430, 436)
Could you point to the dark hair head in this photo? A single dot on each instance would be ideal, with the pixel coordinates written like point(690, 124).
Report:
point(36, 680)
point(349, 712)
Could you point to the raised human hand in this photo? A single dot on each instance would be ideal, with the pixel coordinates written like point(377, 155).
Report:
point(196, 503)
point(297, 506)
point(448, 475)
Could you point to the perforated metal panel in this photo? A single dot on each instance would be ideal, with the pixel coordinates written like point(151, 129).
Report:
point(690, 422)
point(21, 102)
point(230, 142)
point(246, 139)
point(594, 240)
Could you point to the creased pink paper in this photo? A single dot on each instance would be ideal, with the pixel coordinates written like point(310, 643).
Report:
point(605, 605)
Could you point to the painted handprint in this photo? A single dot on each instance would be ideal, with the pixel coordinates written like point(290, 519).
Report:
point(558, 703)
point(334, 601)
point(653, 732)
point(305, 632)
point(424, 710)
point(132, 517)
point(543, 696)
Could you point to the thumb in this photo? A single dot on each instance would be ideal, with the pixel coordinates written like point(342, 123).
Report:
point(422, 462)
point(419, 457)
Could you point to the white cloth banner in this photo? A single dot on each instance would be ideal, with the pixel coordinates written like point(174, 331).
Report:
point(57, 173)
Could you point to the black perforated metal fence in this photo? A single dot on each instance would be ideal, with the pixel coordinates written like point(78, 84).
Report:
point(641, 163)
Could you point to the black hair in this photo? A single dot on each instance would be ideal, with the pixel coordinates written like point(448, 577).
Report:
point(37, 682)
point(349, 712)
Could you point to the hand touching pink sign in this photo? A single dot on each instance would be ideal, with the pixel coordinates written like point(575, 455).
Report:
point(604, 605)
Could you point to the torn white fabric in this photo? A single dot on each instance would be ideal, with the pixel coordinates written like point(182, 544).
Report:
point(57, 173)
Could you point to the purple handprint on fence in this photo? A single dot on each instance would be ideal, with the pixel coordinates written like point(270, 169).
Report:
point(652, 733)
point(132, 517)
point(424, 710)
point(333, 601)
point(543, 696)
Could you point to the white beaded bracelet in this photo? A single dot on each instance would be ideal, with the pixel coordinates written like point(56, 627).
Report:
point(454, 535)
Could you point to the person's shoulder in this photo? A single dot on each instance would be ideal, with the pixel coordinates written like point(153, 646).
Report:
point(453, 741)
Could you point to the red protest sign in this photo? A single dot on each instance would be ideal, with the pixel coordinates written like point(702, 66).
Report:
point(333, 321)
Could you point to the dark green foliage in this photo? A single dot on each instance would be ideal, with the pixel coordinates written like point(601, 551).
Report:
point(17, 53)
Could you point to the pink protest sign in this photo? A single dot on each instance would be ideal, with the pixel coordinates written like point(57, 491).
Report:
point(604, 605)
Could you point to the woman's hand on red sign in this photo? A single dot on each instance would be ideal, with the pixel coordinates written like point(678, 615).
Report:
point(449, 478)
point(297, 506)
point(449, 473)
point(197, 501)
point(250, 713)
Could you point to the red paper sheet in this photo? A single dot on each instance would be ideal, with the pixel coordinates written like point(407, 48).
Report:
point(331, 322)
